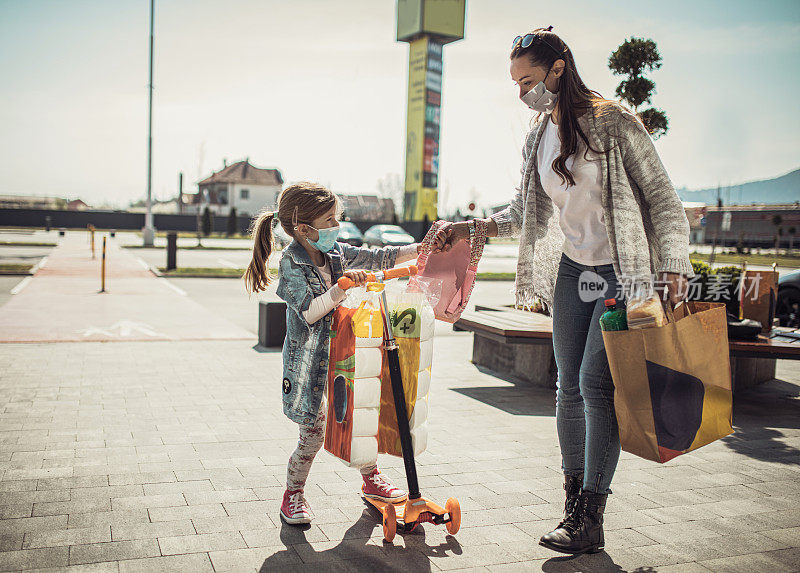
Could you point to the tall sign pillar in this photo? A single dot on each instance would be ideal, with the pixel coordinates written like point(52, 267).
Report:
point(427, 25)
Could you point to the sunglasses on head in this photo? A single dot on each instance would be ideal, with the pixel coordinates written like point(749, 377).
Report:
point(526, 40)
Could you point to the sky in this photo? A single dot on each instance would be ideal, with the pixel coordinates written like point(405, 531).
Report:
point(317, 89)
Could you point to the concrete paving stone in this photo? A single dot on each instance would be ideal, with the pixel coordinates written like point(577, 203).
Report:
point(18, 485)
point(11, 541)
point(668, 499)
point(113, 551)
point(194, 562)
point(234, 523)
point(201, 543)
point(34, 558)
point(105, 492)
point(16, 510)
point(138, 515)
point(177, 487)
point(186, 512)
point(148, 530)
point(285, 534)
point(507, 500)
point(104, 567)
point(477, 555)
point(257, 559)
point(37, 473)
point(136, 478)
point(103, 470)
point(224, 496)
point(65, 537)
point(789, 537)
point(682, 513)
point(148, 501)
point(71, 507)
point(751, 563)
point(26, 524)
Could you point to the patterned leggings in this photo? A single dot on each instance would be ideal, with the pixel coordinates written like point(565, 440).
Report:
point(311, 440)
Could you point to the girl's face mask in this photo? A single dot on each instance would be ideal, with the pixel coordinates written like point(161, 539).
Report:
point(326, 240)
point(539, 98)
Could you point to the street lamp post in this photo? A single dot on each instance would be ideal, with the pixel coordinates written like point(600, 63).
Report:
point(149, 232)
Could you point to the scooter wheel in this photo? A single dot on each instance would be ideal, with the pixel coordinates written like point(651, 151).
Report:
point(454, 509)
point(389, 522)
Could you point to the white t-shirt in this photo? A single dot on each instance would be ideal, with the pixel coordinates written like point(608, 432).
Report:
point(580, 206)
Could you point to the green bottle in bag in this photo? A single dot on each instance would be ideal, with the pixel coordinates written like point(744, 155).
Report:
point(613, 318)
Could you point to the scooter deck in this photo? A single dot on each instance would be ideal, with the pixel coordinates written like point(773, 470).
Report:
point(409, 507)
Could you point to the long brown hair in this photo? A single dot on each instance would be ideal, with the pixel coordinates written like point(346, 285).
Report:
point(298, 203)
point(574, 98)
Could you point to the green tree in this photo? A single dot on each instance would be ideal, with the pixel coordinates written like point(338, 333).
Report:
point(634, 58)
point(208, 222)
point(232, 223)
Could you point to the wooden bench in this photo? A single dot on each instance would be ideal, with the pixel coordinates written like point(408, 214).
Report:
point(520, 344)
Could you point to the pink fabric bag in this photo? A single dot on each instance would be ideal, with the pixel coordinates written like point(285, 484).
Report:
point(455, 270)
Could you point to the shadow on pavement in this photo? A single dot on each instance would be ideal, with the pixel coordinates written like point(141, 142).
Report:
point(519, 399)
point(355, 553)
point(598, 562)
point(759, 414)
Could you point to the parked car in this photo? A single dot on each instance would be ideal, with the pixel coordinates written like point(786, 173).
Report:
point(383, 235)
point(349, 233)
point(787, 308)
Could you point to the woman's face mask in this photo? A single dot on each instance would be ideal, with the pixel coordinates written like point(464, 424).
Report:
point(539, 98)
point(326, 240)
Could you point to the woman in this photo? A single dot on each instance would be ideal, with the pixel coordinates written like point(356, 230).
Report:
point(594, 200)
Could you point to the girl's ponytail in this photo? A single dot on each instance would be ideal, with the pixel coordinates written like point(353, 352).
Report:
point(256, 277)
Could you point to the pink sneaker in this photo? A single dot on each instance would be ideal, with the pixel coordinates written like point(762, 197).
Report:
point(377, 486)
point(294, 508)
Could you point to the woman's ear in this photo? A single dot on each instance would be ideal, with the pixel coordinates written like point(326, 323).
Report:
point(558, 68)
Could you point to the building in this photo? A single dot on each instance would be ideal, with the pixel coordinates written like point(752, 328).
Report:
point(753, 225)
point(77, 205)
point(31, 202)
point(240, 185)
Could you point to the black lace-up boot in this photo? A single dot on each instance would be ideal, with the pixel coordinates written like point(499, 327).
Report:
point(572, 487)
point(583, 531)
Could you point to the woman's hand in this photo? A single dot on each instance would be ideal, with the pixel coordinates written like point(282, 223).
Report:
point(357, 276)
point(676, 285)
point(449, 236)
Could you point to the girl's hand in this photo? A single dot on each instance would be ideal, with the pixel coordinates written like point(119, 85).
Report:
point(449, 236)
point(358, 277)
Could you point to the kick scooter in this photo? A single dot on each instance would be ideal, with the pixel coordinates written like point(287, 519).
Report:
point(415, 509)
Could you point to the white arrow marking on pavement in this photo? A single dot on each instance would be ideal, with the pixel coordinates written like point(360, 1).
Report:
point(124, 327)
point(127, 326)
point(22, 284)
point(94, 330)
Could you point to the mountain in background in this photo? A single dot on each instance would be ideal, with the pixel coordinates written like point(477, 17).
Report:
point(783, 189)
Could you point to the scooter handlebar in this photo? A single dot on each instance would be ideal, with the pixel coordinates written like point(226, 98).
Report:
point(346, 282)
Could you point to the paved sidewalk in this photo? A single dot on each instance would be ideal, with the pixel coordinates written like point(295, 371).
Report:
point(62, 302)
point(171, 455)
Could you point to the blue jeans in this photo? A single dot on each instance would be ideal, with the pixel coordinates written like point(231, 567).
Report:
point(585, 418)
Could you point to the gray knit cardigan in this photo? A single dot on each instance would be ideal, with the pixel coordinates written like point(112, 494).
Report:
point(647, 226)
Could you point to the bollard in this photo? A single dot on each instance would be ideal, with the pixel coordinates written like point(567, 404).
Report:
point(172, 250)
point(62, 231)
point(103, 268)
point(47, 222)
point(113, 233)
point(92, 231)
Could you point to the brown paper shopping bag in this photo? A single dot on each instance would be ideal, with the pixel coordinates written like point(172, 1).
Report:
point(672, 384)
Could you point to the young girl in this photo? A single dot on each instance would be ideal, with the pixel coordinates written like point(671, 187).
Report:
point(309, 268)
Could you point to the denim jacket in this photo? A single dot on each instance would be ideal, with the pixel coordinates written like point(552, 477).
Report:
point(306, 348)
